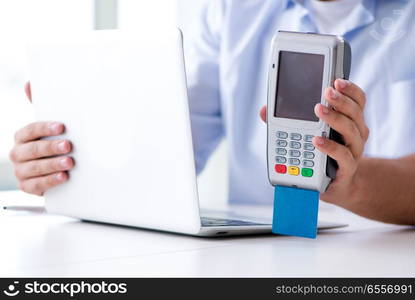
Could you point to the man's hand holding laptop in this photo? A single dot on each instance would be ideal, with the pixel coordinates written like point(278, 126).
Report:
point(41, 164)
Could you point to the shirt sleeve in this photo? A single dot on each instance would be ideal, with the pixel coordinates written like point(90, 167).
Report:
point(202, 51)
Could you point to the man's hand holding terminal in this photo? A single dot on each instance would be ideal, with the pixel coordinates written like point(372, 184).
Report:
point(366, 186)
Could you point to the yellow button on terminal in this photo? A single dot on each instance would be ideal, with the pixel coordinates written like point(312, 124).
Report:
point(294, 171)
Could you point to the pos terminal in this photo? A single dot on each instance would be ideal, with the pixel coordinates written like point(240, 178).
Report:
point(302, 66)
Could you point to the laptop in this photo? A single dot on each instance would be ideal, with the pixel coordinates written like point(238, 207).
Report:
point(123, 99)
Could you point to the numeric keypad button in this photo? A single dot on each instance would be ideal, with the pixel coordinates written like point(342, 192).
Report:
point(294, 161)
point(308, 138)
point(308, 164)
point(295, 153)
point(281, 151)
point(295, 136)
point(280, 160)
point(309, 147)
point(295, 145)
point(308, 155)
point(281, 143)
point(282, 135)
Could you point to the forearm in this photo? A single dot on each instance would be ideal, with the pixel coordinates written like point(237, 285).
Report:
point(383, 190)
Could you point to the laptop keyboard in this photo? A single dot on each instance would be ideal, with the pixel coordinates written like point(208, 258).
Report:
point(212, 222)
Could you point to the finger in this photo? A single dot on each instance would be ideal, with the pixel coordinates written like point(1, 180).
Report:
point(351, 90)
point(39, 149)
point(343, 156)
point(343, 125)
point(38, 130)
point(28, 91)
point(43, 167)
point(39, 185)
point(263, 113)
point(348, 107)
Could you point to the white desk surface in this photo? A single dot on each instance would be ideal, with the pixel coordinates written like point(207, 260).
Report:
point(42, 245)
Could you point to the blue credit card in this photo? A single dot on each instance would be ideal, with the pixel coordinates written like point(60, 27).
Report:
point(295, 212)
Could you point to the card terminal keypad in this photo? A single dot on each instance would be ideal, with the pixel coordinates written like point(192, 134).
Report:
point(295, 154)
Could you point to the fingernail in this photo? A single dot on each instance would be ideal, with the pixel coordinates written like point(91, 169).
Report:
point(325, 109)
point(343, 83)
point(64, 162)
point(62, 147)
point(334, 94)
point(55, 127)
point(60, 176)
point(319, 140)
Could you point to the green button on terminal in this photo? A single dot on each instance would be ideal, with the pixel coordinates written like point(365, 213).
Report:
point(306, 172)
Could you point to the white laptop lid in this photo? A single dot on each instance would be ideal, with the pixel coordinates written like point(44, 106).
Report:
point(123, 99)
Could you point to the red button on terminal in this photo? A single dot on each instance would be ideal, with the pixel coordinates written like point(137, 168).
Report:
point(282, 169)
